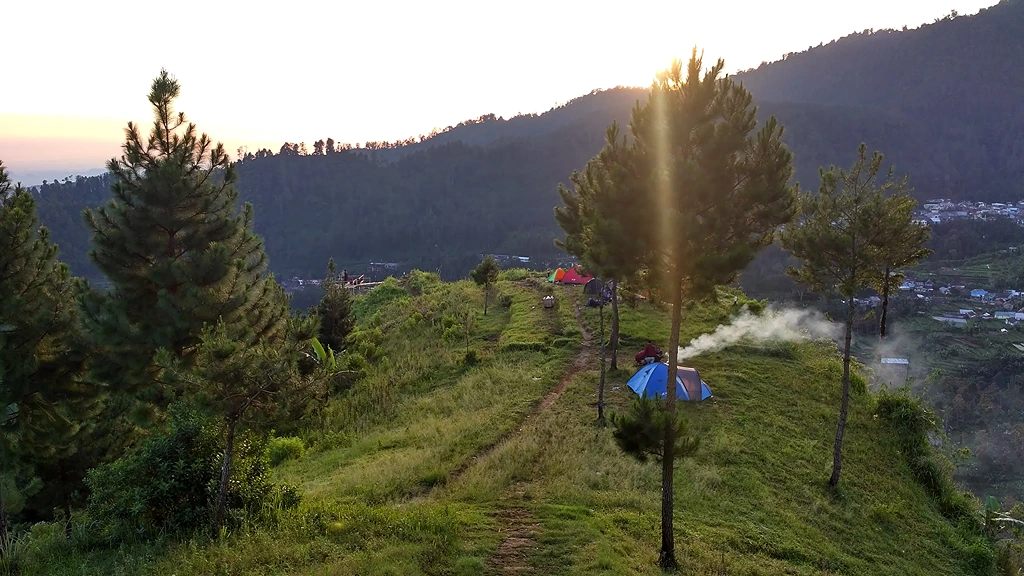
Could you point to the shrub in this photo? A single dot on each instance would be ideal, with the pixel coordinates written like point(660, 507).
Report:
point(281, 449)
point(505, 301)
point(514, 274)
point(640, 431)
point(374, 300)
point(471, 358)
point(526, 346)
point(169, 482)
point(912, 423)
point(419, 282)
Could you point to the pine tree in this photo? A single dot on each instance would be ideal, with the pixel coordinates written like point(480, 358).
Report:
point(603, 222)
point(43, 398)
point(335, 312)
point(903, 245)
point(716, 193)
point(177, 254)
point(485, 275)
point(251, 386)
point(838, 237)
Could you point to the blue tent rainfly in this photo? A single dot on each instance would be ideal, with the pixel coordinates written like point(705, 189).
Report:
point(651, 381)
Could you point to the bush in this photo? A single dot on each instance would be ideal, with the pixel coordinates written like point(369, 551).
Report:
point(419, 282)
point(912, 423)
point(169, 482)
point(525, 346)
point(505, 301)
point(514, 274)
point(388, 291)
point(471, 358)
point(281, 449)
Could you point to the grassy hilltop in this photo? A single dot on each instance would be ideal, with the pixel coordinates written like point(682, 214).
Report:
point(432, 465)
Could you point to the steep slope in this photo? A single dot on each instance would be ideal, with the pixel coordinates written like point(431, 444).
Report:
point(951, 91)
point(430, 466)
point(958, 69)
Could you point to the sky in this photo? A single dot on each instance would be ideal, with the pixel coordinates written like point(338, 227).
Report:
point(262, 73)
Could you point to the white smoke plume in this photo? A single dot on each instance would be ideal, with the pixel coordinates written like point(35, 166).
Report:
point(771, 325)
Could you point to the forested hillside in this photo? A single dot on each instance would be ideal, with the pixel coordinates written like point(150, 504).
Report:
point(943, 102)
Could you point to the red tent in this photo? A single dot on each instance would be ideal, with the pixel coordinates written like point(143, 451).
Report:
point(573, 276)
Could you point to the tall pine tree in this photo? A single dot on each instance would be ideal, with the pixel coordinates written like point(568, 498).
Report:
point(42, 397)
point(603, 222)
point(335, 311)
point(903, 244)
point(837, 237)
point(716, 192)
point(177, 253)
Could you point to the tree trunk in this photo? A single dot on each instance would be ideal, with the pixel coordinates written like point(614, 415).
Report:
point(487, 294)
point(225, 473)
point(837, 448)
point(667, 557)
point(600, 387)
point(614, 338)
point(885, 304)
point(3, 526)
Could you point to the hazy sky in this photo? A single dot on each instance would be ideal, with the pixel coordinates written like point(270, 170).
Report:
point(262, 73)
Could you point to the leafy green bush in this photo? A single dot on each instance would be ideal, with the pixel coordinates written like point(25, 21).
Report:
point(514, 274)
point(169, 482)
point(281, 449)
point(912, 423)
point(419, 282)
point(388, 291)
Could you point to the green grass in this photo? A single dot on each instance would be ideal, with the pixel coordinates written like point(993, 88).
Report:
point(416, 469)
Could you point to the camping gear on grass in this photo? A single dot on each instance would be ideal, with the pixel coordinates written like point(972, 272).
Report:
point(650, 381)
point(549, 301)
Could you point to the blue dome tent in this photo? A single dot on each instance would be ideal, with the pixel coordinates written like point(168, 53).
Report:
point(651, 380)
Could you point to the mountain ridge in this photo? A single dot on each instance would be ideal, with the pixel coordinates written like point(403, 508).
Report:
point(489, 184)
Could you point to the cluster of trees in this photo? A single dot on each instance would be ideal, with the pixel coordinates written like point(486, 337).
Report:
point(684, 204)
point(487, 184)
point(148, 391)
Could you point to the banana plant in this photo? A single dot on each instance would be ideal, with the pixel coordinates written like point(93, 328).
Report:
point(995, 519)
point(325, 356)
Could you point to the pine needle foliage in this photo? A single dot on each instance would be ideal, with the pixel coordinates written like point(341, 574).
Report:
point(641, 432)
point(43, 400)
point(485, 275)
point(177, 252)
point(717, 189)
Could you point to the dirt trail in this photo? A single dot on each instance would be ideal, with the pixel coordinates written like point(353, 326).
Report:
point(518, 528)
point(515, 522)
point(581, 361)
point(585, 356)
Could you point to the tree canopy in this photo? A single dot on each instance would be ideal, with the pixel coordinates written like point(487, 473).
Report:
point(177, 253)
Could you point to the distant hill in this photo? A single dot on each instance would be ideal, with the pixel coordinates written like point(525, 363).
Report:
point(944, 102)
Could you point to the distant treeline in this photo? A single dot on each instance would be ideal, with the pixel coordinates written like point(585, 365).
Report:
point(943, 102)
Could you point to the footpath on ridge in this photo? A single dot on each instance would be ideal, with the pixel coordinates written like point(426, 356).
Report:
point(515, 522)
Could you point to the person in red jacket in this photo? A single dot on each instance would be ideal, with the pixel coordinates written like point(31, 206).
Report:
point(649, 354)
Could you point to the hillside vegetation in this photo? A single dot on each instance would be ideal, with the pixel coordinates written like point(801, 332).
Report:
point(953, 120)
point(436, 465)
